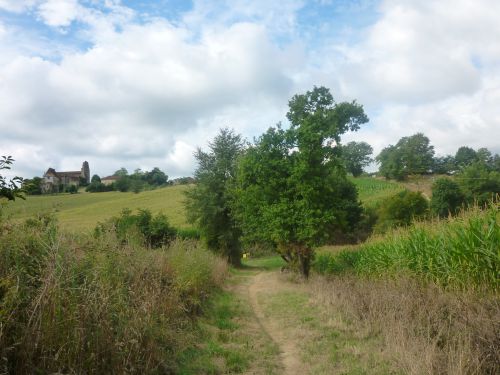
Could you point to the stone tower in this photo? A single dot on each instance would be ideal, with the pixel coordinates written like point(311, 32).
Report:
point(86, 171)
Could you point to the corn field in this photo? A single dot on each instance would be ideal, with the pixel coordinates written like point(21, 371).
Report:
point(463, 252)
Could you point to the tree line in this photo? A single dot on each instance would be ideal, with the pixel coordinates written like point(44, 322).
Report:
point(135, 182)
point(289, 188)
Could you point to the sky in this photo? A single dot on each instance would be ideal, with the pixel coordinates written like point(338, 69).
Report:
point(143, 83)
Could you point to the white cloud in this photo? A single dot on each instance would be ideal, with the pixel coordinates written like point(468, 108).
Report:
point(146, 94)
point(17, 6)
point(423, 51)
point(430, 67)
point(136, 92)
point(59, 12)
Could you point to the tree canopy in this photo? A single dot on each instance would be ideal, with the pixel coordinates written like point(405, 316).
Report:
point(291, 187)
point(465, 156)
point(209, 201)
point(411, 155)
point(356, 155)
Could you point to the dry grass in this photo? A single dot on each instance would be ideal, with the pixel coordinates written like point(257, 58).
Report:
point(426, 330)
point(82, 305)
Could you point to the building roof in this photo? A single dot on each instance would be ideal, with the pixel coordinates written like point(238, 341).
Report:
point(52, 172)
point(111, 178)
point(69, 174)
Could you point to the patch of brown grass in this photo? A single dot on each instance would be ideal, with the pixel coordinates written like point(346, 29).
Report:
point(426, 330)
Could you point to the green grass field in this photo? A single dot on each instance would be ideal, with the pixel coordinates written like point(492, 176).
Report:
point(372, 190)
point(84, 210)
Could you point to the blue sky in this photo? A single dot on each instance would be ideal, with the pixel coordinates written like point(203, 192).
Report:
point(139, 84)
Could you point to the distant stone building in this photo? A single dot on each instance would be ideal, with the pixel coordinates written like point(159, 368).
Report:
point(54, 182)
point(109, 180)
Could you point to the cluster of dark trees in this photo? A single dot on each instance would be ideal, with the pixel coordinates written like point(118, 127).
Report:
point(136, 182)
point(288, 189)
point(414, 155)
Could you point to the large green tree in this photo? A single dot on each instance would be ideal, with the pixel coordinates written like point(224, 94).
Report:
point(391, 164)
point(411, 155)
point(292, 188)
point(356, 155)
point(208, 202)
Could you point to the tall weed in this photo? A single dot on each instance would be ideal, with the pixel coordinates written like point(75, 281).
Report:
point(83, 305)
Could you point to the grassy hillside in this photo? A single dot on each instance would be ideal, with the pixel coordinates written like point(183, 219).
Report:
point(82, 211)
point(372, 190)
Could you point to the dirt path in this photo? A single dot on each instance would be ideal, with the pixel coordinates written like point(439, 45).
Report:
point(307, 337)
point(260, 286)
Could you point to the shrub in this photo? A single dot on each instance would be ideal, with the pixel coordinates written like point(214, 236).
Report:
point(99, 187)
point(72, 189)
point(447, 198)
point(479, 184)
point(401, 209)
point(149, 230)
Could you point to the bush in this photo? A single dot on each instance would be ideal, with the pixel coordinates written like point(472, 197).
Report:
point(447, 198)
point(400, 210)
point(99, 187)
point(72, 189)
point(123, 184)
point(148, 230)
point(479, 184)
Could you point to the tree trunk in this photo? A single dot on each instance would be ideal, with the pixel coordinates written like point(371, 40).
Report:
point(304, 255)
point(234, 257)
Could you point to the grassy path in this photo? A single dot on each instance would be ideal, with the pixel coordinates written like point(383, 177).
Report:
point(257, 289)
point(286, 330)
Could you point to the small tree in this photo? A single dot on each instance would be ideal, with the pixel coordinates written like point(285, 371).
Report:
point(444, 165)
point(479, 184)
point(123, 184)
point(10, 188)
point(391, 163)
point(411, 155)
point(447, 198)
point(208, 202)
point(357, 155)
point(465, 156)
point(95, 179)
point(156, 177)
point(33, 186)
point(291, 186)
point(121, 172)
point(72, 189)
